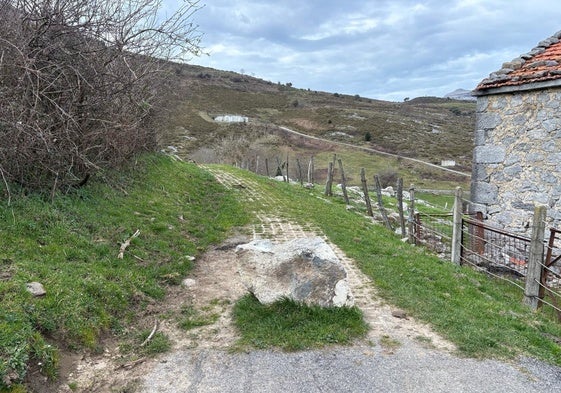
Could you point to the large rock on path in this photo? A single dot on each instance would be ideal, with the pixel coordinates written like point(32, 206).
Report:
point(305, 270)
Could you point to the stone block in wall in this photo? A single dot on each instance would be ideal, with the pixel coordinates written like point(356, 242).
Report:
point(488, 154)
point(484, 193)
point(488, 121)
point(479, 172)
point(482, 104)
point(480, 137)
point(513, 170)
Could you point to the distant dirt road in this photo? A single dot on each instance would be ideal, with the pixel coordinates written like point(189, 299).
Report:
point(374, 151)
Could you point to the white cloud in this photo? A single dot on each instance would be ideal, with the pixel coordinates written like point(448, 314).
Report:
point(382, 49)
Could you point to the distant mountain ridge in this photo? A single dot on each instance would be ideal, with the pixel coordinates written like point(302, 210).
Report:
point(461, 94)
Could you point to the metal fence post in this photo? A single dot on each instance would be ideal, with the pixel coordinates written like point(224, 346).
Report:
point(535, 260)
point(457, 228)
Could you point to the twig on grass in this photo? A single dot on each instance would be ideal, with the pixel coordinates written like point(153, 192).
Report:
point(156, 324)
point(126, 244)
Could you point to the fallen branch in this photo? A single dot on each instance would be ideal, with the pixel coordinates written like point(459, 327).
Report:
point(156, 324)
point(126, 244)
point(130, 365)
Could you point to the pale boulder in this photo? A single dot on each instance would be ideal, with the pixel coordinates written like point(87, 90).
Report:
point(305, 270)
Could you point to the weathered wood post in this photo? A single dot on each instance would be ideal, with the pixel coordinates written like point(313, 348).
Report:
point(257, 164)
point(400, 206)
point(299, 171)
point(267, 166)
point(365, 192)
point(329, 181)
point(287, 175)
point(412, 214)
point(343, 182)
point(311, 170)
point(479, 234)
point(457, 228)
point(535, 259)
point(381, 203)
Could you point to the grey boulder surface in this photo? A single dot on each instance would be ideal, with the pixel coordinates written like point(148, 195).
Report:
point(304, 269)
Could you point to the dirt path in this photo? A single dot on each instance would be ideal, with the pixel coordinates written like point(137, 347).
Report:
point(416, 359)
point(377, 314)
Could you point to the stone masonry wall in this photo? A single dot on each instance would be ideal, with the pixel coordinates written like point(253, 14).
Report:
point(517, 158)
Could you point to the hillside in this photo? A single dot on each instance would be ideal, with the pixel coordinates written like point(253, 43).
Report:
point(427, 128)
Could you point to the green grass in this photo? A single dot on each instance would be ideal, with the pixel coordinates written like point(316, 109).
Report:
point(192, 318)
point(484, 317)
point(292, 326)
point(70, 245)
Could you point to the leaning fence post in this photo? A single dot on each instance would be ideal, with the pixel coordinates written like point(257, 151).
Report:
point(400, 206)
point(535, 259)
point(381, 203)
point(365, 191)
point(412, 214)
point(343, 182)
point(329, 180)
point(457, 228)
point(300, 172)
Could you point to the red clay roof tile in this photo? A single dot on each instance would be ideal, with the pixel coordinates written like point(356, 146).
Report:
point(541, 64)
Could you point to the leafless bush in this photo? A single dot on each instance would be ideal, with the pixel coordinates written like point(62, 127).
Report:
point(388, 177)
point(78, 84)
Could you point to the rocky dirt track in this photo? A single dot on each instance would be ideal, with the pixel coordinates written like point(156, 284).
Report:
point(415, 360)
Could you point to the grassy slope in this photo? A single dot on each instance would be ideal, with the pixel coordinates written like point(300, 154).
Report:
point(484, 317)
point(71, 243)
point(71, 247)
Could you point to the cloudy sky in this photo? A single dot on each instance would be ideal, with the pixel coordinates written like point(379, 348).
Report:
point(375, 48)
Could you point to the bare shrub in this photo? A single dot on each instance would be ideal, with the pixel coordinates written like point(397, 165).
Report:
point(78, 84)
point(388, 177)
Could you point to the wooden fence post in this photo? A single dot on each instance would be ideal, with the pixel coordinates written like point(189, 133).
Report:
point(287, 175)
point(365, 191)
point(400, 206)
point(343, 182)
point(267, 166)
point(479, 234)
point(299, 171)
point(412, 214)
point(381, 203)
point(535, 259)
point(457, 228)
point(311, 170)
point(329, 180)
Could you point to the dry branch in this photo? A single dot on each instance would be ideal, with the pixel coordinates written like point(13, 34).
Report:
point(126, 244)
point(154, 330)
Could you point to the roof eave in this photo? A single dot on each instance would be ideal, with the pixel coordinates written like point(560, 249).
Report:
point(482, 91)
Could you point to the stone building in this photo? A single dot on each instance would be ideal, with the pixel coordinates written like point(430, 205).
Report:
point(517, 154)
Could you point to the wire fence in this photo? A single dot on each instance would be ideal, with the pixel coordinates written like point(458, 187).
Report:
point(434, 231)
point(455, 235)
point(493, 249)
point(497, 252)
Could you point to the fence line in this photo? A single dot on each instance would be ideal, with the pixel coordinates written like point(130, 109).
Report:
point(527, 263)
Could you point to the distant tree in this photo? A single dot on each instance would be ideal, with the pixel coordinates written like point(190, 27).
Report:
point(406, 99)
point(367, 136)
point(80, 80)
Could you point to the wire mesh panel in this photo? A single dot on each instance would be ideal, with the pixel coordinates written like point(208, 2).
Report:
point(435, 232)
point(552, 263)
point(493, 249)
